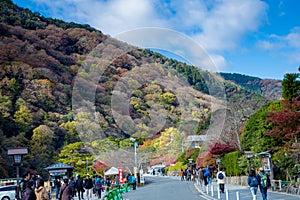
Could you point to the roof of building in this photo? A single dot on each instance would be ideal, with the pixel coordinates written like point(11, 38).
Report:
point(193, 138)
point(59, 166)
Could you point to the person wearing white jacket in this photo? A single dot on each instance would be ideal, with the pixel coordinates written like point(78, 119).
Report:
point(221, 176)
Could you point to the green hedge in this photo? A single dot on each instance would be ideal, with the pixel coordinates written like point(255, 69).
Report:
point(230, 163)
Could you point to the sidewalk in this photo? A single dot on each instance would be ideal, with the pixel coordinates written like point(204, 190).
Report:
point(243, 191)
point(206, 191)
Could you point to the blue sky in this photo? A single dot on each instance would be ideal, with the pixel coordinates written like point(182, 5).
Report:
point(253, 37)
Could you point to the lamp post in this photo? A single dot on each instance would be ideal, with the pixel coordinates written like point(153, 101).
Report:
point(218, 161)
point(135, 155)
point(190, 163)
point(17, 154)
point(87, 166)
point(249, 155)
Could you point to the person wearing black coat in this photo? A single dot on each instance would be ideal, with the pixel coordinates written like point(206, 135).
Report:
point(29, 193)
point(88, 184)
point(79, 187)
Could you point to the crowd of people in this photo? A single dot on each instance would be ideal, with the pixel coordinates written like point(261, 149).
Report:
point(32, 187)
point(204, 176)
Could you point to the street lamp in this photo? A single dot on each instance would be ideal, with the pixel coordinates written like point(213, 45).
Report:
point(17, 154)
point(249, 155)
point(87, 165)
point(218, 161)
point(135, 155)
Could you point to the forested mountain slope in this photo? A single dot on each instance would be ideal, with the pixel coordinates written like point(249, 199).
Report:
point(49, 68)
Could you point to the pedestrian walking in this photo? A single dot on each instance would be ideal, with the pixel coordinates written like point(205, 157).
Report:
point(40, 190)
point(263, 182)
point(65, 192)
point(253, 183)
point(189, 174)
point(22, 184)
point(200, 176)
point(88, 185)
point(185, 174)
point(116, 180)
point(29, 193)
point(206, 175)
point(72, 184)
point(98, 186)
point(79, 187)
point(221, 179)
point(57, 185)
point(181, 175)
point(132, 181)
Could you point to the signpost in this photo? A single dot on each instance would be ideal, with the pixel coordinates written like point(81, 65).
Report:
point(121, 177)
point(142, 179)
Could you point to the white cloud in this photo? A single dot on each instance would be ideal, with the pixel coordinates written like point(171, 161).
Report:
point(228, 22)
point(293, 38)
point(217, 25)
point(287, 42)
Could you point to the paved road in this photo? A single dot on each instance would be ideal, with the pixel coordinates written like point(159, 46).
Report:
point(171, 188)
point(165, 188)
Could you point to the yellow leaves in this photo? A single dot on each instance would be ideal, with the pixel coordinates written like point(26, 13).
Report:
point(83, 74)
point(74, 68)
point(169, 97)
point(45, 82)
point(23, 115)
point(43, 135)
point(70, 125)
point(164, 139)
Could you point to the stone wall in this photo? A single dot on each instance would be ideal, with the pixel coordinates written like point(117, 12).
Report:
point(237, 180)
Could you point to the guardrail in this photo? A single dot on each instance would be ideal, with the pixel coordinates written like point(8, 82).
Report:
point(279, 184)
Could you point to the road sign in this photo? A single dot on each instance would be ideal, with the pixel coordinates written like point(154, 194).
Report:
point(142, 179)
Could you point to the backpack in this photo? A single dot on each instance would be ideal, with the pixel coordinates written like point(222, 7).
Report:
point(264, 180)
point(254, 181)
point(220, 176)
point(206, 173)
point(133, 179)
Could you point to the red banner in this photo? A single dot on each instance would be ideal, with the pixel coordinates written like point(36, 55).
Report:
point(121, 177)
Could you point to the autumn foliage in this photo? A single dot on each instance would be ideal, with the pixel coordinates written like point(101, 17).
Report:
point(286, 122)
point(100, 167)
point(219, 148)
point(205, 158)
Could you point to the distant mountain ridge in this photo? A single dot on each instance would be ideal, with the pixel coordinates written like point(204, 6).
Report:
point(270, 88)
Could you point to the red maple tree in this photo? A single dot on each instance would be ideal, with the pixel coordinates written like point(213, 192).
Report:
point(286, 122)
point(220, 148)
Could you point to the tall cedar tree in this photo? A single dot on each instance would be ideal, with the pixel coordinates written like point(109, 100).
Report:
point(291, 86)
